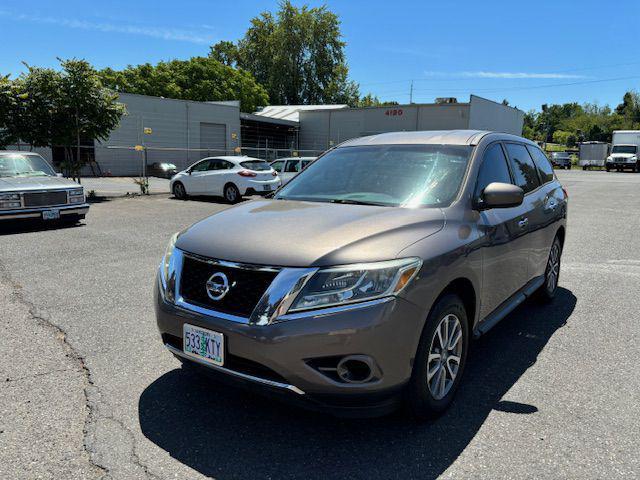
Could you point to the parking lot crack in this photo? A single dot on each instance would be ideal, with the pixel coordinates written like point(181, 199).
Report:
point(91, 392)
point(60, 335)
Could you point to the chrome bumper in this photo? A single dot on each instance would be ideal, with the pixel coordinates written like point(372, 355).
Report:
point(244, 376)
point(80, 209)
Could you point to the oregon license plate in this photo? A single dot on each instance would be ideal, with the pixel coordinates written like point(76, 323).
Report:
point(203, 344)
point(51, 214)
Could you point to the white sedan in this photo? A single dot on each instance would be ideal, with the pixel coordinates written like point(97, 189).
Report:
point(228, 177)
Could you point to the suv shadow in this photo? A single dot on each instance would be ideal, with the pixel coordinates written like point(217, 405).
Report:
point(226, 433)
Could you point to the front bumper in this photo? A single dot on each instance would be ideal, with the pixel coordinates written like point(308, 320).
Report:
point(621, 164)
point(65, 211)
point(277, 358)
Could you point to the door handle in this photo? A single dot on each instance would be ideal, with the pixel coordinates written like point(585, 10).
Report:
point(523, 223)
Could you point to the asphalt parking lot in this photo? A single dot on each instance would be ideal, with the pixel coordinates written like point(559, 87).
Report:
point(88, 390)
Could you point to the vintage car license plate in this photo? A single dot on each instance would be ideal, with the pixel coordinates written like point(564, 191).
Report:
point(203, 344)
point(51, 214)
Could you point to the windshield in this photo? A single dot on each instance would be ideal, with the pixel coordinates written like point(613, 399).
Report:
point(624, 149)
point(256, 165)
point(388, 175)
point(20, 165)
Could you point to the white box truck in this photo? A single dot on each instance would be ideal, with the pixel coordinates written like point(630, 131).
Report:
point(625, 151)
point(593, 154)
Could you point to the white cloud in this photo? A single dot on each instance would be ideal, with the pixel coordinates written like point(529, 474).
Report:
point(509, 75)
point(110, 27)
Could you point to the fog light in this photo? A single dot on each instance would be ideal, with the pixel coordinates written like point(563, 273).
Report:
point(355, 369)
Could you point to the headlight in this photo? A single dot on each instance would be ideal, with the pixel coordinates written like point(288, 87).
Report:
point(9, 197)
point(76, 195)
point(166, 272)
point(356, 283)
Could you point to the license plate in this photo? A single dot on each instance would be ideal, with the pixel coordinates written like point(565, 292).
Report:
point(203, 344)
point(51, 215)
point(266, 188)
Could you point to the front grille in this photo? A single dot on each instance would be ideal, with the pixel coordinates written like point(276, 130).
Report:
point(45, 199)
point(246, 286)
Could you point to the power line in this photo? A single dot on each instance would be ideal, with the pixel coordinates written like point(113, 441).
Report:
point(510, 89)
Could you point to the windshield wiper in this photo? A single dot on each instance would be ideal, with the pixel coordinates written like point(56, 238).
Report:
point(349, 201)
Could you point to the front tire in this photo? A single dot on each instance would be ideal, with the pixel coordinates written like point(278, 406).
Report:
point(179, 191)
point(548, 290)
point(231, 193)
point(440, 360)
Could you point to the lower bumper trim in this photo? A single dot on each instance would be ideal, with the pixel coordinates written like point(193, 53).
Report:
point(16, 214)
point(251, 378)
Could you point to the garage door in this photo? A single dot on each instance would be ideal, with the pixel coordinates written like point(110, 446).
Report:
point(213, 138)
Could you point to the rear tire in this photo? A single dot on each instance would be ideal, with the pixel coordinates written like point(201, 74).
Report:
point(179, 191)
point(439, 363)
point(547, 291)
point(231, 193)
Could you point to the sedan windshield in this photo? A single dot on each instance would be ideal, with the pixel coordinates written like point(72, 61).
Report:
point(624, 149)
point(387, 175)
point(20, 165)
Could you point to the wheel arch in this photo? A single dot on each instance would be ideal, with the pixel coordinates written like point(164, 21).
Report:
point(561, 236)
point(464, 288)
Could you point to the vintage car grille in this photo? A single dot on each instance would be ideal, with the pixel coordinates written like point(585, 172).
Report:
point(246, 286)
point(45, 199)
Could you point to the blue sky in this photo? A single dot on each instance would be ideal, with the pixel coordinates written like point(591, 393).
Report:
point(528, 52)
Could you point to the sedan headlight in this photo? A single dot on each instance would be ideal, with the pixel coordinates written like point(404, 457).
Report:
point(9, 197)
point(356, 283)
point(167, 273)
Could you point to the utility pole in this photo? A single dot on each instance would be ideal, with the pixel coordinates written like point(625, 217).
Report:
point(411, 93)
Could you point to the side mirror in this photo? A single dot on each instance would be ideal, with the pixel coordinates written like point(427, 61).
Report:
point(501, 195)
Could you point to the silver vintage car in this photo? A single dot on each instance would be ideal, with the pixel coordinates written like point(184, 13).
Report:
point(31, 189)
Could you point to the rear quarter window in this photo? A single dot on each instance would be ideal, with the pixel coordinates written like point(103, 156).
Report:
point(523, 168)
point(545, 170)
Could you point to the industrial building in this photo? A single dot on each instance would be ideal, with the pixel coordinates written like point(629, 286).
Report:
point(181, 131)
point(322, 129)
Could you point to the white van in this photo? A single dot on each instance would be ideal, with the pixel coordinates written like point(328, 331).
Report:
point(625, 151)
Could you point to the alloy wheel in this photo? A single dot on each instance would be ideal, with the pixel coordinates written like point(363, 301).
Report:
point(553, 268)
point(231, 194)
point(445, 353)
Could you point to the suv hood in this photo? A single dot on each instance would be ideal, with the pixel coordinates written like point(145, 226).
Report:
point(12, 184)
point(302, 234)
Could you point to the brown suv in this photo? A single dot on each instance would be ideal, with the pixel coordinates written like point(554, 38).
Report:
point(361, 282)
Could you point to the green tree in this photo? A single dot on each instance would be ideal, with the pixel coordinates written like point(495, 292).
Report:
point(89, 110)
point(370, 100)
point(298, 55)
point(7, 110)
point(199, 78)
point(225, 52)
point(50, 108)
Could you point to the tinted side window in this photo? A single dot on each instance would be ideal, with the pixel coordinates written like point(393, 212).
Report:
point(524, 170)
point(201, 167)
point(493, 169)
point(224, 165)
point(545, 170)
point(292, 166)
